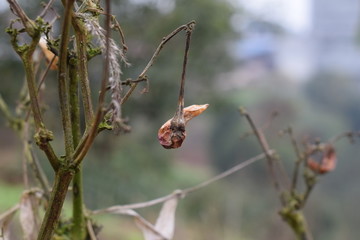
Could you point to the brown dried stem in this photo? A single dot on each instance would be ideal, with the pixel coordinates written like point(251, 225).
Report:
point(298, 161)
point(63, 179)
point(81, 45)
point(349, 134)
point(265, 147)
point(178, 121)
point(155, 55)
point(183, 193)
point(46, 8)
point(63, 82)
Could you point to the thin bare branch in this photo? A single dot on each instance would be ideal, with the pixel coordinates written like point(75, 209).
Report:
point(43, 77)
point(183, 193)
point(229, 172)
point(5, 110)
point(350, 135)
point(265, 147)
point(155, 55)
point(117, 26)
point(298, 161)
point(46, 8)
point(40, 175)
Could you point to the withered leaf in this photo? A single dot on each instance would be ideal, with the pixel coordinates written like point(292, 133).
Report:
point(28, 215)
point(327, 163)
point(5, 220)
point(48, 54)
point(166, 135)
point(165, 223)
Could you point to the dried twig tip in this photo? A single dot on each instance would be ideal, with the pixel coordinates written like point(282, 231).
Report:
point(242, 111)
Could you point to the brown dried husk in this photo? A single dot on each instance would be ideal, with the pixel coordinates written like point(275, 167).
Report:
point(166, 136)
point(327, 163)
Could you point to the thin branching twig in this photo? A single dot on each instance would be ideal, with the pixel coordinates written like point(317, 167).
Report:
point(183, 193)
point(142, 75)
point(265, 147)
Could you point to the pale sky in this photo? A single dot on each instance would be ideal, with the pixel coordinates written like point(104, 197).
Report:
point(294, 15)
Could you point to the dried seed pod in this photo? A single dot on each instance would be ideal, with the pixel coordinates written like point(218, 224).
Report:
point(48, 54)
point(327, 163)
point(172, 133)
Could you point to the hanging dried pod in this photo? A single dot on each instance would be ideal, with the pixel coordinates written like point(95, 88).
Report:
point(326, 164)
point(48, 54)
point(172, 135)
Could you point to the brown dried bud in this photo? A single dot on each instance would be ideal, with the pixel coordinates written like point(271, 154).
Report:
point(327, 163)
point(48, 54)
point(172, 133)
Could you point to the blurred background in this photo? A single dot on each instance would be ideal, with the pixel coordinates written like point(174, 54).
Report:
point(300, 58)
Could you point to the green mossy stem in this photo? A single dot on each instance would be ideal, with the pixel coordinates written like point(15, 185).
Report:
point(296, 221)
point(78, 230)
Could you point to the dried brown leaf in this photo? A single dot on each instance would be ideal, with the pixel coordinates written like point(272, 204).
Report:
point(165, 223)
point(5, 220)
point(146, 227)
point(28, 215)
point(48, 54)
point(166, 135)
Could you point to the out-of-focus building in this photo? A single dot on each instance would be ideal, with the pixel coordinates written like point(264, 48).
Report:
point(335, 34)
point(330, 44)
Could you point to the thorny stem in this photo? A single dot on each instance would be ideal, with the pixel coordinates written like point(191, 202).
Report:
point(62, 79)
point(155, 55)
